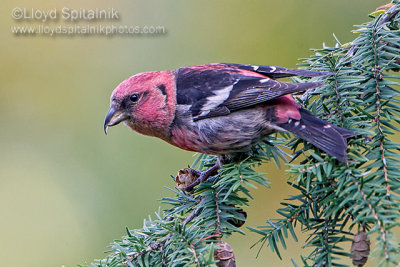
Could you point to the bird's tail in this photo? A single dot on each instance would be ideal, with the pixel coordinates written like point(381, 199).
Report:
point(324, 135)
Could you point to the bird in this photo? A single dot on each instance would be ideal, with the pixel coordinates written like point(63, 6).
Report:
point(222, 109)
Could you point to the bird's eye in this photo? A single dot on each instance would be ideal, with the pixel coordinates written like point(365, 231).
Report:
point(134, 98)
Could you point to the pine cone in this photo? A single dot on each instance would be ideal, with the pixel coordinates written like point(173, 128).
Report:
point(224, 255)
point(236, 222)
point(186, 177)
point(360, 249)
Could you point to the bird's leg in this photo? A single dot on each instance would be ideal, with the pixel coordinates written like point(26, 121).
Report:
point(199, 177)
point(204, 175)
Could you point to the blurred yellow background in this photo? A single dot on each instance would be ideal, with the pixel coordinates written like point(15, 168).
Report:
point(66, 189)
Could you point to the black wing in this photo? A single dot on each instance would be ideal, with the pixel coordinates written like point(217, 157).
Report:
point(275, 72)
point(219, 89)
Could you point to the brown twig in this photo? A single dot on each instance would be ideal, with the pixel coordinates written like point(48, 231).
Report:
point(196, 259)
point(377, 77)
point(375, 215)
point(149, 248)
point(193, 214)
point(313, 166)
point(217, 211)
point(389, 14)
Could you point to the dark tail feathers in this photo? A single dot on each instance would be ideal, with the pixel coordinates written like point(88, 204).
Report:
point(324, 135)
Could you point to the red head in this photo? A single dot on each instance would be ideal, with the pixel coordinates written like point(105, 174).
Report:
point(145, 102)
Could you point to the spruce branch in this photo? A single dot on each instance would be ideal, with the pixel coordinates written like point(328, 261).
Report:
point(363, 97)
point(335, 203)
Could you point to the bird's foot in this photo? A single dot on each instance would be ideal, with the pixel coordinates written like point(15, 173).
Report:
point(188, 178)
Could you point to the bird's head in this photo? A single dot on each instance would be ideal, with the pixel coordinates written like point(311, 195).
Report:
point(144, 102)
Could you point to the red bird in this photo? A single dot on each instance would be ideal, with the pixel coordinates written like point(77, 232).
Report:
point(221, 108)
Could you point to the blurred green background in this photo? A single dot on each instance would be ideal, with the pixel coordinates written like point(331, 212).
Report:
point(66, 189)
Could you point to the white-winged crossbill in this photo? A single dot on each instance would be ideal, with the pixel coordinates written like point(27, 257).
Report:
point(221, 108)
